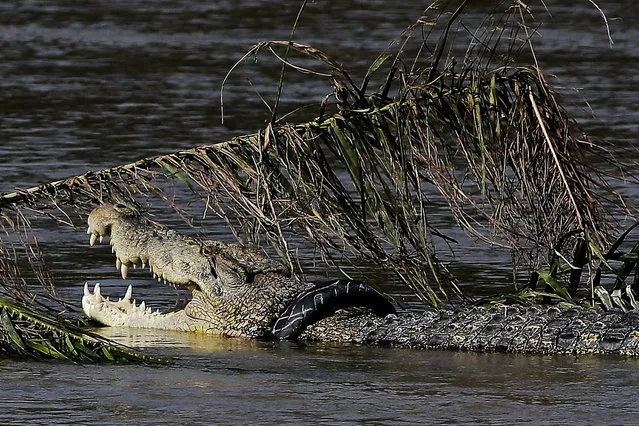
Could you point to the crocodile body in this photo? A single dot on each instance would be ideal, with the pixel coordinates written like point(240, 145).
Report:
point(514, 329)
point(238, 292)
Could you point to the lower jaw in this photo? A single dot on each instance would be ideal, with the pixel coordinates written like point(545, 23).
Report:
point(127, 312)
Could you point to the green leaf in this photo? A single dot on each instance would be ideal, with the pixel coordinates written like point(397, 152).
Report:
point(617, 300)
point(11, 331)
point(603, 295)
point(349, 156)
point(372, 69)
point(631, 297)
point(554, 284)
point(176, 173)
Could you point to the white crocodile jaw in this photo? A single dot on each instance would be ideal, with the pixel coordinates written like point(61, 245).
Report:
point(94, 300)
point(121, 313)
point(172, 258)
point(127, 313)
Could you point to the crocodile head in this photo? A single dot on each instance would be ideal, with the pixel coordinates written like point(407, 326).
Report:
point(235, 291)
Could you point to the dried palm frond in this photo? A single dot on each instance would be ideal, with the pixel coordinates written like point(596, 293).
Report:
point(357, 181)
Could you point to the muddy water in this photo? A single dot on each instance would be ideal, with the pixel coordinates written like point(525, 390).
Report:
point(91, 86)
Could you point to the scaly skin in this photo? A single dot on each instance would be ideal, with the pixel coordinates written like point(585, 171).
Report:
point(515, 329)
point(237, 292)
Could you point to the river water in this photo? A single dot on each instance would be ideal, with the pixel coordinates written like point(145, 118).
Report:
point(89, 85)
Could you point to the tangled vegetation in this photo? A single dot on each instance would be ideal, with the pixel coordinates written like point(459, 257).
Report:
point(358, 181)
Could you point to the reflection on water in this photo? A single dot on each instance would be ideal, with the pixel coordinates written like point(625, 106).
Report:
point(149, 339)
point(87, 86)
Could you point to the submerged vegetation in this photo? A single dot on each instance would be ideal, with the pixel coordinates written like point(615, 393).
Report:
point(25, 332)
point(425, 123)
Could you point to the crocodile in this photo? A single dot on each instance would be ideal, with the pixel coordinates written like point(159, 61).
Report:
point(239, 292)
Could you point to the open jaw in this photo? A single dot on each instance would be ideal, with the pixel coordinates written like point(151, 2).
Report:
point(171, 258)
point(235, 291)
point(126, 311)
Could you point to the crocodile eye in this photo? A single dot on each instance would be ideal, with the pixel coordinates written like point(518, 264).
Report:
point(206, 250)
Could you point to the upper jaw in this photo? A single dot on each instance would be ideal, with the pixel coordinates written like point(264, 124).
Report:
point(171, 257)
point(122, 263)
point(130, 239)
point(94, 236)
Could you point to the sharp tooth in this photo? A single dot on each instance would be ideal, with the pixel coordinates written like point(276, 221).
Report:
point(96, 290)
point(107, 299)
point(87, 292)
point(155, 275)
point(93, 239)
point(143, 265)
point(129, 292)
point(143, 306)
point(150, 267)
point(164, 281)
point(135, 266)
point(118, 264)
point(124, 270)
point(159, 279)
point(112, 249)
point(101, 238)
point(89, 230)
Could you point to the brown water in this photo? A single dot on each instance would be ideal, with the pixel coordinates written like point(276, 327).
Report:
point(87, 87)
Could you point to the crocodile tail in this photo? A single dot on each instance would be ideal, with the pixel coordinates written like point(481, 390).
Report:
point(323, 301)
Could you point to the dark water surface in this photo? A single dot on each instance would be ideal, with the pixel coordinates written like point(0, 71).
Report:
point(245, 382)
point(88, 85)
